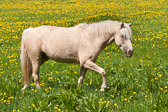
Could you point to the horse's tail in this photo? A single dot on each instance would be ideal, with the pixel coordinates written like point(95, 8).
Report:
point(25, 60)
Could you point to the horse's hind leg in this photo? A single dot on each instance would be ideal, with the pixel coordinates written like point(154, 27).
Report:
point(35, 59)
point(82, 75)
point(35, 74)
point(92, 66)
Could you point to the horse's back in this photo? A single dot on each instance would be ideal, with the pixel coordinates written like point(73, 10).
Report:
point(58, 43)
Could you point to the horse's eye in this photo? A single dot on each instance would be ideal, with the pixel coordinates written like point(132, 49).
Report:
point(122, 36)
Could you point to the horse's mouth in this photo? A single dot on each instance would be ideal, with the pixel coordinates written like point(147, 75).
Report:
point(129, 54)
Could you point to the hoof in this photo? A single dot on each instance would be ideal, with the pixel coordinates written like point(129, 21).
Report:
point(25, 86)
point(80, 80)
point(38, 86)
point(102, 89)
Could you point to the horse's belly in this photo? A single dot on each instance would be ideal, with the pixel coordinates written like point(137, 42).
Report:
point(66, 59)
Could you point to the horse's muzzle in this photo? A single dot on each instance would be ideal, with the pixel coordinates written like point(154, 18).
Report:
point(129, 53)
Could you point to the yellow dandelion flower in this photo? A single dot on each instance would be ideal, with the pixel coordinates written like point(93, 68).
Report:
point(55, 107)
point(161, 89)
point(125, 99)
point(115, 104)
point(33, 105)
point(112, 96)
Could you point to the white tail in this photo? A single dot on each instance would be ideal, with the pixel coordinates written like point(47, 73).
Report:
point(25, 60)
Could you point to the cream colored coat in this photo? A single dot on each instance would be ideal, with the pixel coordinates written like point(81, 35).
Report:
point(79, 44)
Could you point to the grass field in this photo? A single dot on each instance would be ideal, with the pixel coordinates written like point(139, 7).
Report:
point(136, 84)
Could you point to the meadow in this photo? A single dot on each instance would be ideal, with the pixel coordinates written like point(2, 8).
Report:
point(135, 84)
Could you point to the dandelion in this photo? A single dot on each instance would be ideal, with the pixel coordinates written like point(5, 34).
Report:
point(55, 107)
point(112, 96)
point(77, 108)
point(33, 105)
point(50, 78)
point(115, 104)
point(90, 82)
point(125, 99)
point(134, 92)
point(140, 69)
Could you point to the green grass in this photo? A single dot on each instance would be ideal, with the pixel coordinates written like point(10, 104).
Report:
point(139, 83)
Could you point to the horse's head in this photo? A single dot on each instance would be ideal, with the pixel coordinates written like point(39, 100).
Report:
point(123, 38)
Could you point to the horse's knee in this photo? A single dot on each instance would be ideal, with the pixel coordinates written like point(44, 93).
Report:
point(103, 72)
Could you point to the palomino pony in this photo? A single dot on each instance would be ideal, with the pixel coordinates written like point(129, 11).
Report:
point(79, 44)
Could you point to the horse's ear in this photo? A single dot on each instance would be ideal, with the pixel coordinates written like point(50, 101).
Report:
point(130, 24)
point(122, 25)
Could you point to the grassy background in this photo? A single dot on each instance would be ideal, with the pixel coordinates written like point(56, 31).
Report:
point(139, 83)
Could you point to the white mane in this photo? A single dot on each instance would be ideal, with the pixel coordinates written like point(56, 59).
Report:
point(100, 29)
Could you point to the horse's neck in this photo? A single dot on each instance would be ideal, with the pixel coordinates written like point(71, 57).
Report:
point(107, 42)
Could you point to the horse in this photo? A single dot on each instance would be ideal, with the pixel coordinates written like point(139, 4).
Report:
point(78, 44)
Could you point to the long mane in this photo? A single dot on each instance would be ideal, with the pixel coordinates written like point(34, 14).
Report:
point(99, 29)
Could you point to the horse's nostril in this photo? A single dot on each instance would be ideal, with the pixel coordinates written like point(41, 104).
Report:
point(130, 51)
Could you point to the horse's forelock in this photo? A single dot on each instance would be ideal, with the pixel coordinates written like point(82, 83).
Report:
point(126, 31)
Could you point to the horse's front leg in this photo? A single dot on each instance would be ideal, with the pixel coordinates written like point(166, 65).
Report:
point(92, 66)
point(82, 75)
